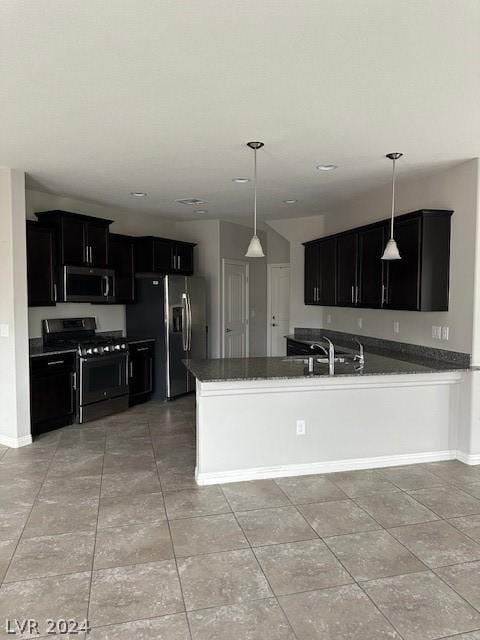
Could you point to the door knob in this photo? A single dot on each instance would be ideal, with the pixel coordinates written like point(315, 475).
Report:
point(273, 324)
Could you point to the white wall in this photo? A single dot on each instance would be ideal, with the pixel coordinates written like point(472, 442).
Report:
point(130, 222)
point(296, 231)
point(455, 188)
point(14, 364)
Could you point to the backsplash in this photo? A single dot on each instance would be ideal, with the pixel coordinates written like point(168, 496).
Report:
point(109, 317)
point(381, 345)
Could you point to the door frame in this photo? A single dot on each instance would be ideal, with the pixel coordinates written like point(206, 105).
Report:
point(247, 304)
point(270, 267)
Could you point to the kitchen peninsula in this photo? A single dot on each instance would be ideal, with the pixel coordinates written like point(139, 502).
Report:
point(270, 417)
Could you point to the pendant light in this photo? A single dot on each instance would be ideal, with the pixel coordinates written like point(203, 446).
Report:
point(255, 247)
point(391, 250)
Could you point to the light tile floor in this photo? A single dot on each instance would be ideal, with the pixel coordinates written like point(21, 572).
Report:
point(104, 521)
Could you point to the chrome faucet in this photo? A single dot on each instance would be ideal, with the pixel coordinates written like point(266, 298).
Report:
point(360, 356)
point(331, 355)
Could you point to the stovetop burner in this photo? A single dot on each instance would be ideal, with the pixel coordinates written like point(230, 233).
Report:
point(79, 333)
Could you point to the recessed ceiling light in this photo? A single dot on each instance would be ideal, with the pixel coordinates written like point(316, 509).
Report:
point(190, 201)
point(138, 194)
point(326, 167)
point(289, 201)
point(241, 180)
point(201, 211)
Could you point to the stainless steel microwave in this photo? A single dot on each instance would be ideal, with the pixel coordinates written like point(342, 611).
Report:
point(86, 284)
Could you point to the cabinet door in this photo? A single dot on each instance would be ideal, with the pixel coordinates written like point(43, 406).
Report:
point(371, 244)
point(98, 244)
point(41, 272)
point(141, 372)
point(403, 289)
point(347, 284)
point(311, 274)
point(184, 259)
point(164, 256)
point(327, 272)
point(52, 395)
point(73, 241)
point(121, 260)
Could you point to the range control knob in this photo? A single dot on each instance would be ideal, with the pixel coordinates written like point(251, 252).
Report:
point(123, 346)
point(88, 351)
point(106, 348)
point(95, 350)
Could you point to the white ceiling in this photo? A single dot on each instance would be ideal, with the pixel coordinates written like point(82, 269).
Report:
point(103, 97)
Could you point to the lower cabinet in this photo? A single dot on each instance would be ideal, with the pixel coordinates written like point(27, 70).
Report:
point(140, 380)
point(52, 391)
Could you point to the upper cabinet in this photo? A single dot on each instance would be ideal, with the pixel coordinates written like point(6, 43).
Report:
point(81, 240)
point(163, 256)
point(417, 282)
point(41, 261)
point(320, 272)
point(122, 261)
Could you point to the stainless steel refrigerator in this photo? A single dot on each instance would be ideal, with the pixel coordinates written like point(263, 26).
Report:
point(171, 309)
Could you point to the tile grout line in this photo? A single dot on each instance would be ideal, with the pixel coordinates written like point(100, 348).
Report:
point(259, 565)
point(29, 514)
point(173, 548)
point(96, 529)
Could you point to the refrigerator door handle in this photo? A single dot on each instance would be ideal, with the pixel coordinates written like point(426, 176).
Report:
point(184, 321)
point(189, 311)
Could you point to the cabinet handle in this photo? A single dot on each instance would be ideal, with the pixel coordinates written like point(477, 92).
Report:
point(74, 380)
point(353, 294)
point(54, 362)
point(86, 254)
point(54, 291)
point(91, 256)
point(143, 349)
point(179, 260)
point(130, 369)
point(356, 294)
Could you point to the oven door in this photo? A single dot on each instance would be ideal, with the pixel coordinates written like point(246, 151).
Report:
point(83, 284)
point(103, 377)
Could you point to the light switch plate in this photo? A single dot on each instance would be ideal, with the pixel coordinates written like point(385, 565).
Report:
point(396, 327)
point(301, 427)
point(445, 333)
point(4, 330)
point(360, 323)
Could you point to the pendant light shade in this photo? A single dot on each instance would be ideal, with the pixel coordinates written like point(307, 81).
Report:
point(391, 251)
point(255, 247)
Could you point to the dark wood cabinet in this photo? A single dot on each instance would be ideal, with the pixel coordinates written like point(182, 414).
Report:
point(371, 268)
point(327, 272)
point(311, 273)
point(347, 270)
point(80, 240)
point(141, 371)
point(164, 256)
point(417, 282)
point(122, 261)
point(41, 266)
point(52, 391)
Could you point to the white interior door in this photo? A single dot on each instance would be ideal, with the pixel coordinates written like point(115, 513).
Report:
point(235, 309)
point(279, 308)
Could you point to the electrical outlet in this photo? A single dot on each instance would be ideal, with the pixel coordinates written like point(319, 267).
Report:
point(329, 319)
point(4, 330)
point(445, 333)
point(437, 332)
point(301, 427)
point(396, 327)
point(360, 323)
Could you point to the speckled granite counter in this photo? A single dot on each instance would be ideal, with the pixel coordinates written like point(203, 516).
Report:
point(231, 369)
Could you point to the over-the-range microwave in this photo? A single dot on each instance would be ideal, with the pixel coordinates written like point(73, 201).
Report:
point(87, 284)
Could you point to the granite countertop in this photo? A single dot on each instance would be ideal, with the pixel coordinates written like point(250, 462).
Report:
point(238, 369)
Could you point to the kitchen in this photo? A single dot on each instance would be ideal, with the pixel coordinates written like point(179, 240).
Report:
point(239, 388)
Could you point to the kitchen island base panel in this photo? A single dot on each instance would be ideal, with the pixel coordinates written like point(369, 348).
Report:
point(248, 430)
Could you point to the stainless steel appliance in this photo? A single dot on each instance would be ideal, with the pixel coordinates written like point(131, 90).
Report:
point(171, 309)
point(102, 365)
point(87, 284)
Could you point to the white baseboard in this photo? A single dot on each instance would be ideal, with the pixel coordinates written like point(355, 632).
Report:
point(468, 459)
point(15, 443)
point(279, 471)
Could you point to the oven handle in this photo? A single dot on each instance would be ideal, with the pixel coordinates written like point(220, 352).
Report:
point(106, 280)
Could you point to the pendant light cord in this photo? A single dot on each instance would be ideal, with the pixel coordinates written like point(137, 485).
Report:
point(254, 192)
point(393, 198)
